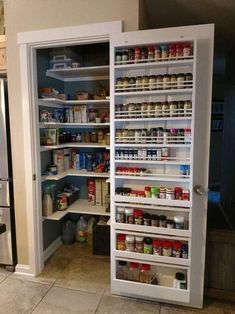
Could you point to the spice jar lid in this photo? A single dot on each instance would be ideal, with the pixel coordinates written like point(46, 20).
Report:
point(146, 216)
point(178, 189)
point(122, 263)
point(176, 244)
point(130, 238)
point(162, 217)
point(139, 238)
point(157, 242)
point(166, 244)
point(179, 276)
point(134, 265)
point(129, 211)
point(138, 213)
point(145, 267)
point(155, 217)
point(179, 219)
point(121, 209)
point(121, 237)
point(148, 241)
point(153, 189)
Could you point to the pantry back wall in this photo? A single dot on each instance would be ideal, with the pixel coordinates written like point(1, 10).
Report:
point(28, 15)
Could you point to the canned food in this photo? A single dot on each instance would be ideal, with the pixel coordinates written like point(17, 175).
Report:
point(52, 169)
point(61, 201)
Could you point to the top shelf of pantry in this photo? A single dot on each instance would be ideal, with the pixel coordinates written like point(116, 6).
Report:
point(56, 102)
point(155, 64)
point(80, 74)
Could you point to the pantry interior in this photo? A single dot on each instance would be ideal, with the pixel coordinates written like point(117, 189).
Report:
point(86, 77)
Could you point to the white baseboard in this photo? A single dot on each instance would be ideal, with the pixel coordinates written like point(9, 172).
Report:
point(52, 248)
point(23, 269)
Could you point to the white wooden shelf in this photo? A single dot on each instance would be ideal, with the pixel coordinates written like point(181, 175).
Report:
point(152, 258)
point(80, 73)
point(153, 119)
point(76, 173)
point(148, 200)
point(153, 208)
point(152, 162)
point(43, 125)
point(81, 206)
point(153, 177)
point(181, 91)
point(152, 145)
point(157, 64)
point(73, 145)
point(50, 102)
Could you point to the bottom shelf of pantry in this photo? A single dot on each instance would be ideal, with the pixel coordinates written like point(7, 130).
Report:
point(151, 292)
point(81, 206)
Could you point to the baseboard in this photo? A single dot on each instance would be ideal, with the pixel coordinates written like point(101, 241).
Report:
point(52, 248)
point(23, 269)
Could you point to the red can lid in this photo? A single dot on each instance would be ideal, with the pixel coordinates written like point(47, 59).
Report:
point(157, 242)
point(145, 267)
point(176, 245)
point(171, 46)
point(187, 130)
point(178, 189)
point(166, 244)
point(134, 265)
point(121, 237)
point(137, 49)
point(138, 213)
point(150, 48)
point(147, 188)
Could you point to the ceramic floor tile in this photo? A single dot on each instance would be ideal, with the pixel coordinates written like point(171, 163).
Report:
point(86, 274)
point(121, 305)
point(53, 269)
point(20, 296)
point(60, 300)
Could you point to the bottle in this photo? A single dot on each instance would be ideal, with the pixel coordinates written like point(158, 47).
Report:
point(122, 270)
point(81, 230)
point(68, 232)
point(145, 273)
point(90, 224)
point(47, 202)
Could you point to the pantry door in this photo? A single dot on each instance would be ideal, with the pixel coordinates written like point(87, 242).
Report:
point(202, 37)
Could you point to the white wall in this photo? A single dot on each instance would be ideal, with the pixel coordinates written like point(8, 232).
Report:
point(28, 15)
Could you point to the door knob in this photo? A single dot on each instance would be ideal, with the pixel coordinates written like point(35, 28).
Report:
point(199, 189)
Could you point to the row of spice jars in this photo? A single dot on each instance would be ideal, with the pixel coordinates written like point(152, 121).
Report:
point(138, 217)
point(168, 193)
point(134, 272)
point(154, 136)
point(184, 170)
point(146, 245)
point(142, 153)
point(154, 109)
point(97, 136)
point(164, 52)
point(154, 82)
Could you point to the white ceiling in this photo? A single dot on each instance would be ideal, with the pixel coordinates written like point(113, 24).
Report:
point(170, 13)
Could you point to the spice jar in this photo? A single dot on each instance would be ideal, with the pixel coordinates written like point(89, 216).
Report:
point(145, 82)
point(165, 153)
point(138, 83)
point(180, 281)
point(138, 217)
point(119, 84)
point(170, 223)
point(158, 109)
point(118, 57)
point(87, 136)
point(154, 220)
point(152, 82)
point(188, 80)
point(146, 219)
point(148, 246)
point(159, 81)
point(159, 139)
point(144, 109)
point(162, 194)
point(180, 107)
point(122, 270)
point(172, 51)
point(186, 50)
point(162, 221)
point(145, 273)
point(124, 56)
point(178, 193)
point(166, 81)
point(170, 194)
point(120, 216)
point(134, 273)
point(137, 54)
point(129, 215)
point(147, 191)
point(150, 54)
point(131, 110)
point(187, 108)
point(173, 136)
point(179, 222)
point(154, 192)
point(125, 83)
point(157, 53)
point(144, 54)
point(107, 138)
point(179, 51)
point(132, 86)
point(176, 249)
point(166, 248)
point(164, 49)
point(130, 243)
point(165, 109)
point(139, 244)
point(187, 136)
point(173, 109)
point(184, 250)
point(180, 80)
point(165, 136)
point(131, 55)
point(157, 247)
point(185, 195)
point(121, 242)
point(173, 82)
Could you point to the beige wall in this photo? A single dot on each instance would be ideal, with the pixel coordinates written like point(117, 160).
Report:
point(28, 15)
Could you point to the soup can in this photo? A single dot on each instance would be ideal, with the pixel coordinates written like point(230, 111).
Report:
point(61, 201)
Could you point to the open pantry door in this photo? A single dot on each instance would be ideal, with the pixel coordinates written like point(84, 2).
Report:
point(161, 83)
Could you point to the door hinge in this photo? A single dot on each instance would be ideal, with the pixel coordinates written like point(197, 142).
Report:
point(34, 177)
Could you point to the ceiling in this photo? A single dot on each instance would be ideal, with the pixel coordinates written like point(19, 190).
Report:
point(170, 13)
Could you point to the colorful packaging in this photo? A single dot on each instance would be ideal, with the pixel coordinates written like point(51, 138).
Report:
point(91, 191)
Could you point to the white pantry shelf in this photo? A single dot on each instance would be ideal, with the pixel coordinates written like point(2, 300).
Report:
point(75, 173)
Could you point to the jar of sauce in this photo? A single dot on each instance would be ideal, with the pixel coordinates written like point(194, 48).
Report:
point(139, 244)
point(121, 242)
point(137, 54)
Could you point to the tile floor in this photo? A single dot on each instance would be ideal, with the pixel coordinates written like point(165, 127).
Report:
point(74, 281)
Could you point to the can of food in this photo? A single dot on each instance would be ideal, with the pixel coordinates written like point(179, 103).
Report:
point(61, 201)
point(52, 169)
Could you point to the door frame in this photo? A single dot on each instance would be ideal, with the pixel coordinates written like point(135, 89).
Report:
point(28, 43)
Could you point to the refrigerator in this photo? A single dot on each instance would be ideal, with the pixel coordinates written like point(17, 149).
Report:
point(7, 219)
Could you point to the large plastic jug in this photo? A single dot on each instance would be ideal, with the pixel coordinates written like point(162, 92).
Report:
point(81, 230)
point(47, 202)
point(68, 232)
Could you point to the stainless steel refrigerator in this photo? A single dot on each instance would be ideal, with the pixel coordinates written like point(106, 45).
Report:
point(7, 218)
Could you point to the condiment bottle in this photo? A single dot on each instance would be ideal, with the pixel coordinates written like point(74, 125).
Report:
point(146, 219)
point(129, 215)
point(122, 270)
point(120, 216)
point(139, 244)
point(134, 272)
point(148, 246)
point(166, 248)
point(157, 247)
point(180, 281)
point(138, 217)
point(179, 222)
point(176, 249)
point(130, 243)
point(147, 191)
point(121, 242)
point(145, 273)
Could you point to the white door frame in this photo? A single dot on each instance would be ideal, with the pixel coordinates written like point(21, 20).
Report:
point(28, 43)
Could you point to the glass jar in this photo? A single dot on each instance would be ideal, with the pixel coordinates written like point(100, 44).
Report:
point(129, 215)
point(186, 50)
point(173, 108)
point(165, 136)
point(157, 53)
point(130, 243)
point(125, 83)
point(162, 221)
point(146, 219)
point(165, 153)
point(159, 81)
point(166, 81)
point(180, 281)
point(179, 222)
point(165, 109)
point(122, 270)
point(134, 272)
point(187, 108)
point(131, 110)
point(145, 82)
point(158, 109)
point(87, 136)
point(170, 194)
point(121, 246)
point(162, 194)
point(118, 136)
point(148, 246)
point(120, 216)
point(187, 136)
point(180, 80)
point(184, 250)
point(144, 54)
point(131, 55)
point(100, 136)
point(164, 49)
point(172, 51)
point(147, 191)
point(124, 56)
point(132, 85)
point(173, 136)
point(124, 135)
point(178, 193)
point(118, 57)
point(144, 110)
point(139, 244)
point(170, 223)
point(188, 80)
point(157, 247)
point(176, 249)
point(151, 110)
point(119, 84)
point(138, 217)
point(179, 51)
point(145, 273)
point(173, 82)
point(180, 107)
point(152, 82)
point(154, 221)
point(166, 248)
point(137, 54)
point(150, 54)
point(138, 83)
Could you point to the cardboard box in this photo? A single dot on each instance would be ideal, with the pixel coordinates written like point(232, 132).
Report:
point(83, 114)
point(105, 191)
point(91, 191)
point(77, 114)
point(98, 192)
